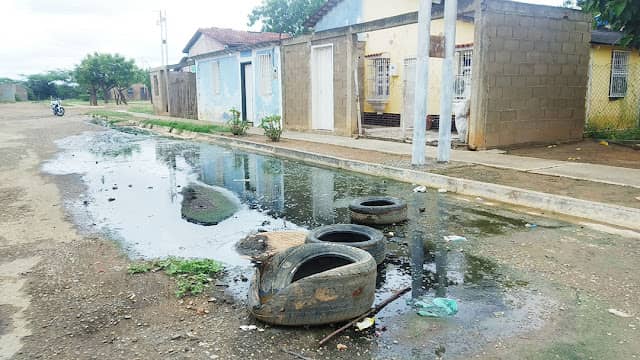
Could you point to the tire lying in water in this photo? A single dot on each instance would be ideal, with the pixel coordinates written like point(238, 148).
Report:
point(358, 236)
point(313, 284)
point(378, 210)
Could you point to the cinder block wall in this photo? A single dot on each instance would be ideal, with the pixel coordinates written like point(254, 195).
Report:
point(531, 71)
point(296, 86)
point(296, 82)
point(7, 92)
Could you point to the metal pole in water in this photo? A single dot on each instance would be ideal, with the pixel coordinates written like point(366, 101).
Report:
point(422, 84)
point(446, 98)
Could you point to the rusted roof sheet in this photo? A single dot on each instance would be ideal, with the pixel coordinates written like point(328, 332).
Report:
point(234, 38)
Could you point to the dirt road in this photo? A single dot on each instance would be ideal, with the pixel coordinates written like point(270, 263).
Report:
point(66, 294)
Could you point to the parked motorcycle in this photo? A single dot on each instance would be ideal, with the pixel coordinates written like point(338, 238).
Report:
point(56, 108)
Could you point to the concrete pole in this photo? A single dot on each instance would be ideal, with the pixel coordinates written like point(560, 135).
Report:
point(446, 87)
point(422, 84)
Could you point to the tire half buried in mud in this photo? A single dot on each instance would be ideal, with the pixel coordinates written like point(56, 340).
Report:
point(378, 210)
point(206, 206)
point(313, 284)
point(358, 236)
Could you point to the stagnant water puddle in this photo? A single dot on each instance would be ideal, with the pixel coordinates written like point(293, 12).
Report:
point(134, 183)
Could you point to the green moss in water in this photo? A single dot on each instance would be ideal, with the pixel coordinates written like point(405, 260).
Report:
point(205, 206)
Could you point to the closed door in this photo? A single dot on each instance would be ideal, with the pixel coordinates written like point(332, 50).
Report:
point(247, 93)
point(409, 93)
point(322, 87)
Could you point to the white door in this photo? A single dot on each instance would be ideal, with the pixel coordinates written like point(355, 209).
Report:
point(248, 91)
point(408, 109)
point(322, 87)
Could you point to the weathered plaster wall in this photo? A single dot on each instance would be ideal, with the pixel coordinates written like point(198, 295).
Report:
point(214, 106)
point(347, 12)
point(7, 92)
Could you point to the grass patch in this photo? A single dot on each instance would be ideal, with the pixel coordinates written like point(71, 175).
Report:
point(611, 133)
point(192, 275)
point(187, 126)
point(141, 108)
point(110, 116)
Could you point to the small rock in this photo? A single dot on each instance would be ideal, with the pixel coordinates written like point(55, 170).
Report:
point(390, 234)
point(127, 317)
point(420, 189)
point(112, 199)
point(341, 347)
point(177, 337)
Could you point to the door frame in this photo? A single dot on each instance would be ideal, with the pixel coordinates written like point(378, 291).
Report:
point(333, 117)
point(243, 88)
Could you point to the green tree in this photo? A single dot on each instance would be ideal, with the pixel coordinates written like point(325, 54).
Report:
point(105, 73)
point(619, 15)
point(284, 16)
point(54, 83)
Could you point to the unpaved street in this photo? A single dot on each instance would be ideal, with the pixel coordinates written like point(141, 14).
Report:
point(65, 292)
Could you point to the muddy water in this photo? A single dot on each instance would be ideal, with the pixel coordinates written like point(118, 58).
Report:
point(133, 193)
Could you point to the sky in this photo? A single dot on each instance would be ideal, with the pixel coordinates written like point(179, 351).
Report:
point(41, 35)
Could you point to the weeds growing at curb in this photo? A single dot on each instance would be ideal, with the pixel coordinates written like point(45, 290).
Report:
point(110, 116)
point(192, 275)
point(198, 128)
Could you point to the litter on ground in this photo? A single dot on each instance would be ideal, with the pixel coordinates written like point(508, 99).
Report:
point(365, 323)
point(439, 307)
point(450, 238)
point(420, 189)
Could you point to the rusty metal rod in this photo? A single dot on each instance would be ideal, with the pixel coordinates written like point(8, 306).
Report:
point(373, 311)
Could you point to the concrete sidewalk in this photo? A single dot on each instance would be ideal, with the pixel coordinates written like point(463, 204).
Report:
point(573, 170)
point(581, 171)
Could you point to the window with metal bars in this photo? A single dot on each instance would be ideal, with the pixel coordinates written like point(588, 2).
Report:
point(462, 81)
point(379, 78)
point(619, 74)
point(266, 67)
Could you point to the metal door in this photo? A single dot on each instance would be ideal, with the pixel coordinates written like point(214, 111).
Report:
point(322, 87)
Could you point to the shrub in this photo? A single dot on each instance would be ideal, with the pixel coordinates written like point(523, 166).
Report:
point(236, 124)
point(272, 127)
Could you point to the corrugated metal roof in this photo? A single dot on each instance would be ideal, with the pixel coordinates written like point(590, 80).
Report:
point(606, 37)
point(234, 38)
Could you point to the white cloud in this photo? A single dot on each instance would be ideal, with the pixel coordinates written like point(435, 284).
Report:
point(40, 35)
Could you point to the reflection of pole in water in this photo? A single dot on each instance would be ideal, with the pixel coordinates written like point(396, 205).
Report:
point(441, 250)
point(416, 247)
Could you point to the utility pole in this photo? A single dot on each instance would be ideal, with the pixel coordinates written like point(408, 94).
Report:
point(164, 52)
point(446, 87)
point(422, 84)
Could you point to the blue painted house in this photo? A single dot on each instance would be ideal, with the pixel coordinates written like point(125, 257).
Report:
point(236, 70)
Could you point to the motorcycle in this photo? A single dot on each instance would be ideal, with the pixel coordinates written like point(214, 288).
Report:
point(57, 108)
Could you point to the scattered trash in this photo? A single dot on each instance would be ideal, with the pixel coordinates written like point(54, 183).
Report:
point(248, 327)
point(112, 199)
point(439, 307)
point(450, 238)
point(578, 149)
point(619, 313)
point(530, 226)
point(390, 234)
point(341, 347)
point(604, 143)
point(498, 314)
point(420, 189)
point(551, 146)
point(442, 191)
point(366, 323)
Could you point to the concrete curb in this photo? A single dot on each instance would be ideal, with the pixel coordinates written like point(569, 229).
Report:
point(591, 210)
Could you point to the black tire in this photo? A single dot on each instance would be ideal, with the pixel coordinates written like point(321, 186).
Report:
point(60, 111)
point(300, 287)
point(378, 210)
point(358, 236)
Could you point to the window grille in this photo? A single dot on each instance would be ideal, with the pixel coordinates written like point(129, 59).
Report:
point(156, 87)
point(379, 78)
point(215, 77)
point(619, 74)
point(266, 68)
point(462, 81)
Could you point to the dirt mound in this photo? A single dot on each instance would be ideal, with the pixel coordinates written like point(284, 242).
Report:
point(206, 206)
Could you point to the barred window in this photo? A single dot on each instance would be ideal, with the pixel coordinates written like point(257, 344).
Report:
point(379, 77)
point(462, 81)
point(215, 77)
point(619, 74)
point(266, 67)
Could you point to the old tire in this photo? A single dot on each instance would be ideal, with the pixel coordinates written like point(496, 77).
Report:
point(358, 236)
point(314, 284)
point(378, 210)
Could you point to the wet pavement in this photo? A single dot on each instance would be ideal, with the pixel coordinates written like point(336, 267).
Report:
point(133, 194)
